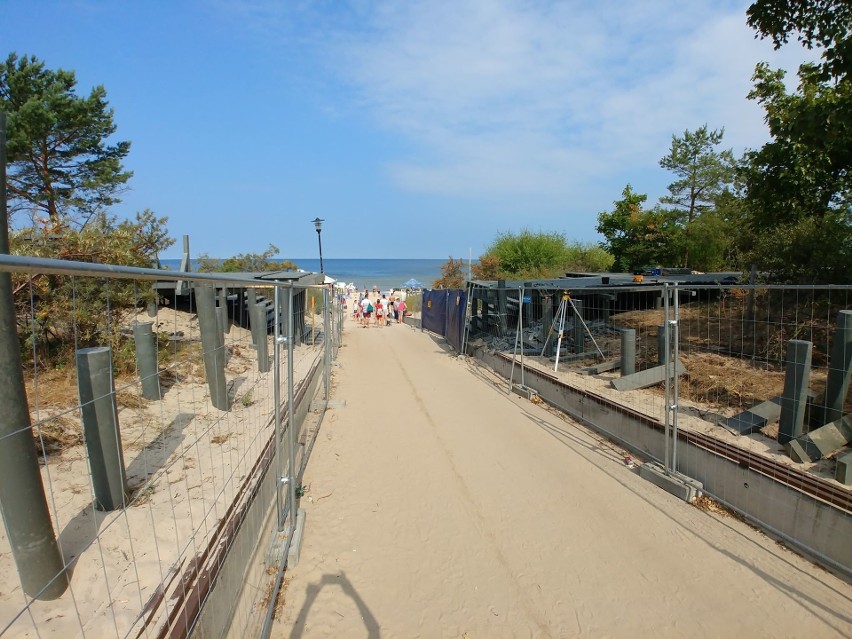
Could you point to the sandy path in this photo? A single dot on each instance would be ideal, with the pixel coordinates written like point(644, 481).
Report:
point(438, 506)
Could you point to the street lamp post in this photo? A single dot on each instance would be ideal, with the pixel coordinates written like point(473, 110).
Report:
point(318, 224)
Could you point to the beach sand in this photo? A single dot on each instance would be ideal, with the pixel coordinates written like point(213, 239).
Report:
point(438, 505)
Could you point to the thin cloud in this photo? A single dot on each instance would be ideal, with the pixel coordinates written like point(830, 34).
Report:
point(532, 99)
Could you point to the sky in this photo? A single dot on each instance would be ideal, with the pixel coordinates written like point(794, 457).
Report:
point(413, 129)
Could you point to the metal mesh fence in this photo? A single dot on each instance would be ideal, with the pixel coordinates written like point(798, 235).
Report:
point(744, 388)
point(149, 474)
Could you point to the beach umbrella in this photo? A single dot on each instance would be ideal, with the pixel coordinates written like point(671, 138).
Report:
point(412, 283)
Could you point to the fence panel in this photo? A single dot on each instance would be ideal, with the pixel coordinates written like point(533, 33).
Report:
point(192, 466)
point(759, 379)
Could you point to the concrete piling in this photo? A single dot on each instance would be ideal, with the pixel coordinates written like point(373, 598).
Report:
point(546, 323)
point(213, 346)
point(628, 351)
point(100, 427)
point(259, 335)
point(794, 399)
point(146, 359)
point(661, 344)
point(839, 368)
point(579, 328)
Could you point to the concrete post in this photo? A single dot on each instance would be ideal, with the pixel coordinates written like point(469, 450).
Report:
point(100, 426)
point(221, 318)
point(794, 399)
point(546, 323)
point(22, 501)
point(250, 301)
point(223, 304)
point(213, 346)
point(259, 332)
point(839, 368)
point(628, 351)
point(661, 344)
point(182, 286)
point(146, 359)
point(579, 329)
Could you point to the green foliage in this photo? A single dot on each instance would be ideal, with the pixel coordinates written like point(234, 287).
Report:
point(702, 172)
point(816, 23)
point(451, 275)
point(245, 263)
point(529, 254)
point(414, 302)
point(588, 258)
point(816, 250)
point(708, 242)
point(636, 237)
point(59, 313)
point(61, 168)
point(799, 212)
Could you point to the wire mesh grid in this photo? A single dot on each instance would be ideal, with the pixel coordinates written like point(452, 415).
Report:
point(732, 349)
point(133, 569)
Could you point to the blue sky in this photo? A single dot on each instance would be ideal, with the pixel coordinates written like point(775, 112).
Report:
point(415, 129)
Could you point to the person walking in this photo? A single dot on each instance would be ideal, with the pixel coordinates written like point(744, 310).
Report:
point(380, 311)
point(400, 311)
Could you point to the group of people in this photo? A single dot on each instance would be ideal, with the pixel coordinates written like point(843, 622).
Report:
point(381, 311)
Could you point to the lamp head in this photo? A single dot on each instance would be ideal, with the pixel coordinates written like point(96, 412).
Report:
point(318, 224)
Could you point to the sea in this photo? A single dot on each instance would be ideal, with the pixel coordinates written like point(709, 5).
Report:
point(383, 274)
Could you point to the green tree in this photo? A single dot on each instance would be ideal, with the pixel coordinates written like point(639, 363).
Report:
point(637, 238)
point(815, 23)
point(703, 175)
point(588, 258)
point(245, 263)
point(797, 186)
point(69, 311)
point(61, 165)
point(702, 172)
point(530, 254)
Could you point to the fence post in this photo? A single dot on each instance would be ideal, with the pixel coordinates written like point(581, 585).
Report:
point(259, 332)
point(213, 346)
point(628, 351)
point(665, 357)
point(249, 302)
point(276, 395)
point(146, 359)
point(795, 396)
point(100, 425)
point(291, 415)
point(326, 339)
point(25, 513)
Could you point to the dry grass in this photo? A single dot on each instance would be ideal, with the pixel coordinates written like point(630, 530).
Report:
point(57, 434)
